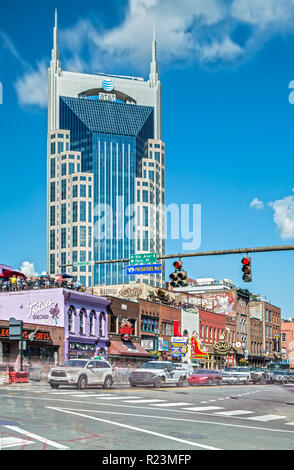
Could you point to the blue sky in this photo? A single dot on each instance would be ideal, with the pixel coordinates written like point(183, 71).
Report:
point(225, 68)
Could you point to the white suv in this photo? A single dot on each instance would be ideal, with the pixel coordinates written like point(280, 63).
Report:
point(82, 372)
point(157, 373)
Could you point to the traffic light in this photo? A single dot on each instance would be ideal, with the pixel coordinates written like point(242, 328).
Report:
point(246, 269)
point(179, 276)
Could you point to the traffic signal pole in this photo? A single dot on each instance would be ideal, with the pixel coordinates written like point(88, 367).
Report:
point(234, 251)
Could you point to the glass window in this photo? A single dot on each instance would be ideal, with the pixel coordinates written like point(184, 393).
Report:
point(138, 195)
point(90, 236)
point(63, 169)
point(145, 216)
point(145, 196)
point(63, 261)
point(89, 212)
point(82, 211)
point(83, 236)
point(52, 136)
point(91, 323)
point(101, 324)
point(52, 148)
point(52, 168)
point(60, 147)
point(63, 213)
point(70, 318)
point(63, 189)
point(157, 156)
point(75, 191)
point(89, 190)
point(52, 264)
point(82, 190)
point(81, 317)
point(52, 215)
point(75, 236)
point(52, 191)
point(63, 238)
point(71, 168)
point(52, 239)
point(151, 175)
point(75, 211)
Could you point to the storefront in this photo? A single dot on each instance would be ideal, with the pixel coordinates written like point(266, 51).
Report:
point(127, 354)
point(58, 324)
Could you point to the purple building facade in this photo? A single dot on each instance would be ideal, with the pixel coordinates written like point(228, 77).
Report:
point(66, 323)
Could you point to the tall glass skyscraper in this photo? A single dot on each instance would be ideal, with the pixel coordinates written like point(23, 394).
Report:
point(105, 183)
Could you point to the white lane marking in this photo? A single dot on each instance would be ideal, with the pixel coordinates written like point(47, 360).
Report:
point(114, 398)
point(233, 413)
point(142, 401)
point(12, 442)
point(179, 403)
point(290, 424)
point(204, 408)
point(266, 417)
point(36, 437)
point(86, 395)
point(134, 428)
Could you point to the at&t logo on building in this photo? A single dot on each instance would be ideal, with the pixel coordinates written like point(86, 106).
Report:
point(107, 84)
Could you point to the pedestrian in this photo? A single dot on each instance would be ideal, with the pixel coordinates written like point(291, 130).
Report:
point(13, 281)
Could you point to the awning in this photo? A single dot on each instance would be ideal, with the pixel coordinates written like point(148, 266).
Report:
point(7, 273)
point(118, 348)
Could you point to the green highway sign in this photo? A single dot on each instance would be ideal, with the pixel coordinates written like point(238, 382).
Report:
point(82, 263)
point(143, 258)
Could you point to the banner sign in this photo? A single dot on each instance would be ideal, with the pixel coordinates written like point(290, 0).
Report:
point(196, 352)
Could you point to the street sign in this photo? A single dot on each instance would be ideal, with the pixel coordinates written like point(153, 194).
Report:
point(82, 263)
point(15, 329)
point(143, 258)
point(144, 269)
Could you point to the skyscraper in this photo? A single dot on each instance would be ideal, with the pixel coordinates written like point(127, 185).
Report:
point(105, 171)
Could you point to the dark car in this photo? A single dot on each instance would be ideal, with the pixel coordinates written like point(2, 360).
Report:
point(205, 376)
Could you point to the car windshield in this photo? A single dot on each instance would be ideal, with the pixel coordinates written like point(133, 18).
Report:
point(75, 363)
point(202, 371)
point(153, 365)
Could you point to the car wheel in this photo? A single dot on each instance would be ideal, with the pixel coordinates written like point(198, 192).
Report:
point(82, 382)
point(210, 382)
point(133, 385)
point(158, 382)
point(107, 382)
point(54, 385)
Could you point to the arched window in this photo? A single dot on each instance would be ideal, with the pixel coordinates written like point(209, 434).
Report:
point(82, 320)
point(92, 317)
point(70, 318)
point(101, 324)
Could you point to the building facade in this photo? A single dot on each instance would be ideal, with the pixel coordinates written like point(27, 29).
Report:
point(111, 144)
point(287, 342)
point(58, 324)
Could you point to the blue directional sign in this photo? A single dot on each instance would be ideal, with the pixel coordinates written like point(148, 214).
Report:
point(144, 269)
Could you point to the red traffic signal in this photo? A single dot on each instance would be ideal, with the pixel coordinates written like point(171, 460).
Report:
point(246, 269)
point(178, 264)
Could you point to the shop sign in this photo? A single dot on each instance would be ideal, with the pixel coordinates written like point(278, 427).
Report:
point(37, 311)
point(126, 330)
point(222, 347)
point(196, 352)
point(147, 343)
point(178, 346)
point(81, 346)
point(39, 335)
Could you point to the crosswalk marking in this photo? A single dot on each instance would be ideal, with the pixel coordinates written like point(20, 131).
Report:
point(266, 417)
point(12, 442)
point(204, 408)
point(113, 398)
point(172, 404)
point(233, 412)
point(142, 401)
point(290, 424)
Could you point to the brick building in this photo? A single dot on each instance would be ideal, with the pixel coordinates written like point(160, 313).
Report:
point(287, 342)
point(211, 328)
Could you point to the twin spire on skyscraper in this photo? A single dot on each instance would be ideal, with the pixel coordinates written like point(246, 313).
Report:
point(55, 54)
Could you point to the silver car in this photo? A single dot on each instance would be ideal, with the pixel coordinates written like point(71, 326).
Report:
point(81, 373)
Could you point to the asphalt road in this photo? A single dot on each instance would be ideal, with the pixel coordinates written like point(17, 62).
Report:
point(226, 417)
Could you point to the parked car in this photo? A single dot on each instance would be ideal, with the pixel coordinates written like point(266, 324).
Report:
point(81, 373)
point(278, 376)
point(236, 375)
point(186, 368)
point(158, 373)
point(258, 375)
point(290, 375)
point(205, 376)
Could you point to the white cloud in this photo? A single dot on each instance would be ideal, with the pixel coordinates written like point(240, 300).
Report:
point(28, 269)
point(256, 203)
point(264, 13)
point(284, 216)
point(187, 31)
point(32, 88)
